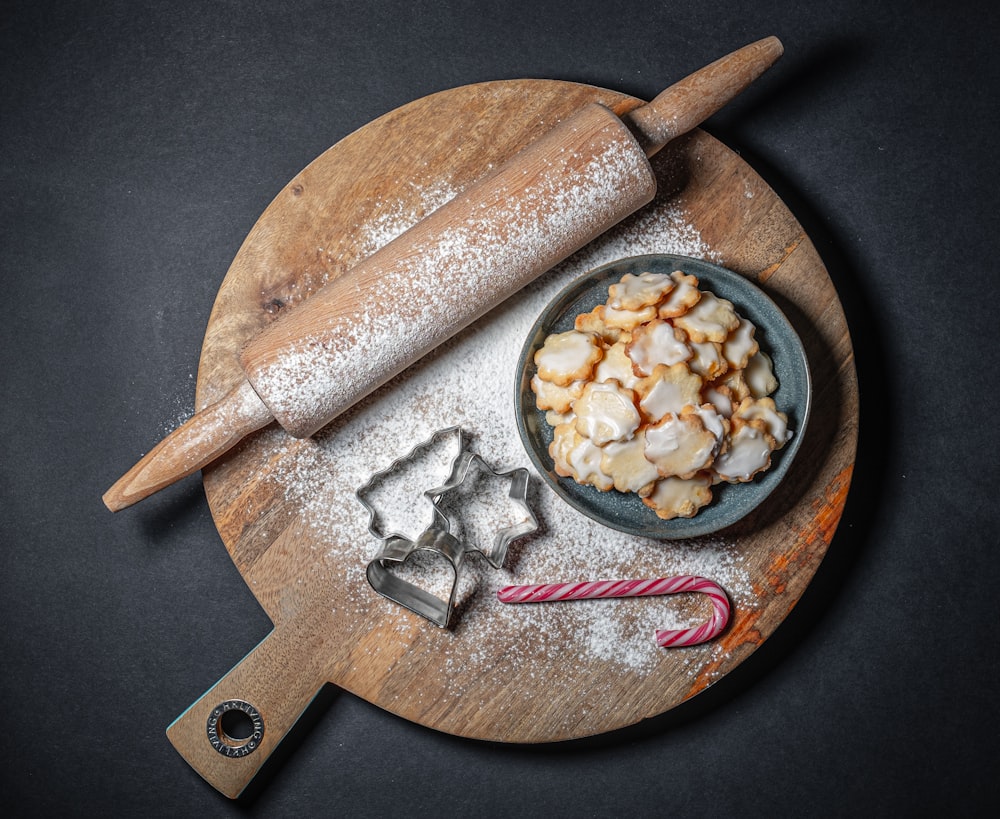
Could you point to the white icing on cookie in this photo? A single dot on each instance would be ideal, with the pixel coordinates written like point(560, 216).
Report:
point(628, 319)
point(577, 457)
point(713, 422)
point(720, 397)
point(554, 419)
point(617, 366)
point(748, 453)
point(711, 319)
point(682, 298)
point(759, 375)
point(567, 357)
point(549, 396)
point(626, 463)
point(740, 344)
point(765, 413)
point(636, 292)
point(680, 445)
point(594, 322)
point(606, 412)
point(707, 359)
point(668, 389)
point(656, 342)
point(679, 498)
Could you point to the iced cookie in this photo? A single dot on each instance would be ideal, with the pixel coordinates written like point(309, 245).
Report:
point(656, 342)
point(678, 498)
point(707, 359)
point(759, 375)
point(574, 456)
point(711, 319)
point(740, 344)
point(763, 413)
point(680, 446)
point(594, 322)
point(682, 298)
point(616, 365)
point(626, 464)
point(735, 382)
point(568, 357)
point(747, 453)
point(635, 292)
point(550, 396)
point(623, 319)
point(668, 389)
point(606, 412)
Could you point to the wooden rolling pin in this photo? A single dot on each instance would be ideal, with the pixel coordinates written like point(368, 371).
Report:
point(354, 334)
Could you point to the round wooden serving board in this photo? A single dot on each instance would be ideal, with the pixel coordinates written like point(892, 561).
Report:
point(286, 510)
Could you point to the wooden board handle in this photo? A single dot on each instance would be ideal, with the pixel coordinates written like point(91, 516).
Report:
point(269, 689)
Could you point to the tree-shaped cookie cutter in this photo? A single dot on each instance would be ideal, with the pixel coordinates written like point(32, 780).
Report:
point(395, 549)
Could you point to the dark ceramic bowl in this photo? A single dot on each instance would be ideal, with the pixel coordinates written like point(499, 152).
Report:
point(731, 502)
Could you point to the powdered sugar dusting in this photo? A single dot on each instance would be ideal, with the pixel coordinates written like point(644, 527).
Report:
point(470, 381)
point(392, 218)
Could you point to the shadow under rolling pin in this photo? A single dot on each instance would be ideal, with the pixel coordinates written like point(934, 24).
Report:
point(550, 199)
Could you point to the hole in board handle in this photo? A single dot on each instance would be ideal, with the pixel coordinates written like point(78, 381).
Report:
point(235, 728)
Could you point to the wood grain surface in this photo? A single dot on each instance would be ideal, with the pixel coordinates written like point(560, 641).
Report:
point(329, 626)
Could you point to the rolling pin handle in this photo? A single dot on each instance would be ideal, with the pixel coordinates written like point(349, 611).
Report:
point(689, 102)
point(200, 440)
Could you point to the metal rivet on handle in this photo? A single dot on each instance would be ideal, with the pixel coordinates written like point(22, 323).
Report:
point(234, 746)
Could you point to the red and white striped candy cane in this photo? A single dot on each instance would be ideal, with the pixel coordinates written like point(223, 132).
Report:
point(602, 589)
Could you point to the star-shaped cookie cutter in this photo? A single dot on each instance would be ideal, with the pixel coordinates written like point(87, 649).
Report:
point(496, 553)
point(438, 538)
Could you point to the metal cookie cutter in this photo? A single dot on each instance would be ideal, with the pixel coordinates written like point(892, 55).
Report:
point(438, 537)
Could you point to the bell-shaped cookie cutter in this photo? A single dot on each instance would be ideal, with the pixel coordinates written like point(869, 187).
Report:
point(437, 537)
point(409, 595)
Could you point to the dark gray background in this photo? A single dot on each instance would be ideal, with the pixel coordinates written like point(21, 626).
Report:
point(140, 141)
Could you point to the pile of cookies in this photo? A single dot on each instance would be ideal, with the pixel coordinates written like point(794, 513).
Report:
point(662, 391)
